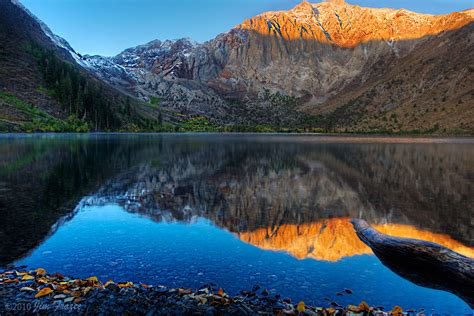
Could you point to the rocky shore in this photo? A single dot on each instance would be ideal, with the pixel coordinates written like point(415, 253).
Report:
point(37, 292)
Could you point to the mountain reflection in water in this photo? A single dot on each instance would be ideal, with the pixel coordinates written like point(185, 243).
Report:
point(334, 239)
point(287, 193)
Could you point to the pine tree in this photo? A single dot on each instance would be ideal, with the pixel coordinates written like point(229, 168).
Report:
point(79, 104)
point(128, 106)
point(76, 93)
point(68, 93)
point(160, 119)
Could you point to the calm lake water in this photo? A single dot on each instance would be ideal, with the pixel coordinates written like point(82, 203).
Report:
point(236, 210)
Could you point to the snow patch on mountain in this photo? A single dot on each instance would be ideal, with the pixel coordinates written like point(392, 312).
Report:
point(57, 40)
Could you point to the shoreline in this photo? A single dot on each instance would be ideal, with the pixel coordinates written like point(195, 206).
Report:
point(368, 137)
point(408, 134)
point(36, 291)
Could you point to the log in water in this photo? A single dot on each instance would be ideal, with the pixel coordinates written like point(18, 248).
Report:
point(421, 262)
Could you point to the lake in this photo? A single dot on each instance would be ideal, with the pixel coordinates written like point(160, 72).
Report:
point(184, 210)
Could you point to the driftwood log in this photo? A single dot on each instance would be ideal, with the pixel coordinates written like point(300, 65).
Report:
point(423, 263)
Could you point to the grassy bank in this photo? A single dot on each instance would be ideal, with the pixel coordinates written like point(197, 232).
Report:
point(35, 120)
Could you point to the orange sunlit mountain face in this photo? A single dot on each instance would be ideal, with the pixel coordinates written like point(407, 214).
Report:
point(349, 25)
point(335, 239)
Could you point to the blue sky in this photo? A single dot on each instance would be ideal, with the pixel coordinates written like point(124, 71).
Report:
point(106, 27)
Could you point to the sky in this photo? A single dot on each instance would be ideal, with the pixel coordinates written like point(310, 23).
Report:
point(107, 27)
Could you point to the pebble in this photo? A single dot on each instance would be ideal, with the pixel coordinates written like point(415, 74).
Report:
point(91, 296)
point(69, 299)
point(26, 289)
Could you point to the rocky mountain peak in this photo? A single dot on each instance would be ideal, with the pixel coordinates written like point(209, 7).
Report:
point(303, 6)
point(338, 2)
point(313, 53)
point(344, 25)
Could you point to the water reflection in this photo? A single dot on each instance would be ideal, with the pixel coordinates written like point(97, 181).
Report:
point(109, 242)
point(334, 239)
point(291, 193)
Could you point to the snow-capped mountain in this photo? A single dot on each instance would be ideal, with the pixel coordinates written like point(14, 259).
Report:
point(331, 64)
point(132, 65)
point(327, 55)
point(165, 69)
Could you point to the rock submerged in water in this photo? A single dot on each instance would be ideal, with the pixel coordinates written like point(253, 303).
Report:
point(52, 294)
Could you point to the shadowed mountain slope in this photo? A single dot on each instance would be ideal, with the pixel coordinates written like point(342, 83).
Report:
point(44, 87)
point(329, 65)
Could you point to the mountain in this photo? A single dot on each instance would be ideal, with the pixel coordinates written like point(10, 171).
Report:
point(44, 85)
point(329, 65)
point(161, 69)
